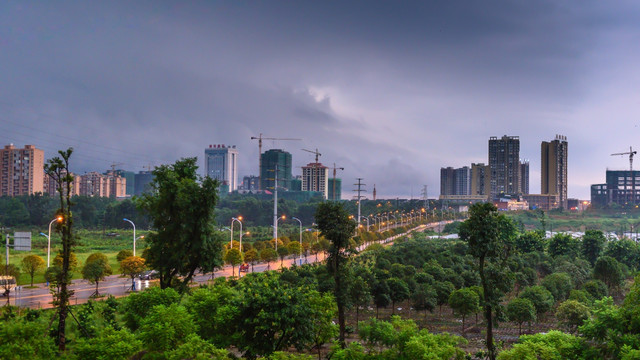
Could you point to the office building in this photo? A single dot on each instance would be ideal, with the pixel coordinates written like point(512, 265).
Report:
point(504, 165)
point(480, 179)
point(622, 189)
point(21, 170)
point(142, 182)
point(335, 189)
point(271, 159)
point(130, 181)
point(524, 177)
point(315, 178)
point(554, 155)
point(544, 202)
point(221, 163)
point(250, 183)
point(447, 181)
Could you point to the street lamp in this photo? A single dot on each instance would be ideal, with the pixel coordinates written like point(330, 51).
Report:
point(366, 218)
point(395, 223)
point(134, 235)
point(283, 217)
point(58, 219)
point(299, 221)
point(239, 220)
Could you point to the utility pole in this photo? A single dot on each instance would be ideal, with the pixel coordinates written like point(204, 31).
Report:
point(425, 198)
point(359, 184)
point(275, 207)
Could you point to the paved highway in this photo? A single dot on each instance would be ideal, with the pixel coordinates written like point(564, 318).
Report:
point(118, 286)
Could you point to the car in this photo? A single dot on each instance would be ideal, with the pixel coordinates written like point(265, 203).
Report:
point(149, 275)
point(244, 267)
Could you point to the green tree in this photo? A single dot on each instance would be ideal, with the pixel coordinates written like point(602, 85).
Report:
point(592, 245)
point(380, 293)
point(137, 305)
point(520, 310)
point(268, 255)
point(596, 288)
point(109, 344)
point(398, 291)
point(549, 346)
point(234, 258)
point(609, 271)
point(95, 271)
point(294, 248)
point(465, 302)
point(571, 314)
point(559, 285)
point(132, 266)
point(197, 349)
point(32, 264)
point(540, 297)
point(212, 311)
point(443, 291)
point(336, 226)
point(359, 293)
point(123, 254)
point(57, 169)
point(251, 257)
point(424, 298)
point(282, 251)
point(26, 340)
point(530, 241)
point(563, 244)
point(166, 327)
point(181, 208)
point(490, 237)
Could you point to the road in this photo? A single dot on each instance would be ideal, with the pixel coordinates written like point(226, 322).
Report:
point(118, 286)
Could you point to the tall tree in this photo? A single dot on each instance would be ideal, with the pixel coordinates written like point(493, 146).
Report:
point(592, 245)
point(336, 226)
point(58, 169)
point(181, 208)
point(95, 271)
point(31, 264)
point(490, 236)
point(465, 302)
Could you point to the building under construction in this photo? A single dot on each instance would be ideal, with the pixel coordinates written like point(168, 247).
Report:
point(621, 189)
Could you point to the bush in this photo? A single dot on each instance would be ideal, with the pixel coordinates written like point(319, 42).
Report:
point(540, 297)
point(559, 285)
point(137, 305)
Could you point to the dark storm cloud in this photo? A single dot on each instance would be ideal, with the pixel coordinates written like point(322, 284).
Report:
point(391, 91)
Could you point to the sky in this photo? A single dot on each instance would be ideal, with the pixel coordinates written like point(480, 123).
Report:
point(391, 91)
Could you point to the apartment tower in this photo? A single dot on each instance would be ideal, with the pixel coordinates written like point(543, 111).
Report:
point(554, 156)
point(21, 170)
point(504, 166)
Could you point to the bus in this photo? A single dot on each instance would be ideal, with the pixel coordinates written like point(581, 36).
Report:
point(7, 284)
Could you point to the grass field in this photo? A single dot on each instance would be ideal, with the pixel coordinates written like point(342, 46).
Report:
point(607, 221)
point(87, 243)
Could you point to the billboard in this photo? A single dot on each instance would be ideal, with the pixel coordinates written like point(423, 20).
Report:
point(22, 241)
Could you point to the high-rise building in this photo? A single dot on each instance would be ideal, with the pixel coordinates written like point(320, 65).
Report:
point(315, 178)
point(221, 163)
point(447, 181)
point(94, 184)
point(296, 183)
point(554, 168)
point(337, 185)
point(142, 183)
point(524, 177)
point(270, 159)
point(480, 179)
point(504, 165)
point(463, 181)
point(130, 178)
point(250, 183)
point(21, 170)
point(117, 185)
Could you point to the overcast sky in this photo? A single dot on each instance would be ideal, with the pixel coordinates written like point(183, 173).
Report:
point(392, 91)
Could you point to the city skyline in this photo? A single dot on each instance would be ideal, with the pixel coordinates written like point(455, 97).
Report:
point(391, 92)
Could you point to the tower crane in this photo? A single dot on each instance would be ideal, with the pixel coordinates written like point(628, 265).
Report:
point(314, 180)
point(334, 180)
point(631, 152)
point(260, 138)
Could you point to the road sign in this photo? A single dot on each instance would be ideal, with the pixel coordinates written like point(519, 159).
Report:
point(22, 241)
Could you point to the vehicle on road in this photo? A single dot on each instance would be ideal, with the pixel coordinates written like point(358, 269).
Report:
point(7, 284)
point(244, 267)
point(149, 275)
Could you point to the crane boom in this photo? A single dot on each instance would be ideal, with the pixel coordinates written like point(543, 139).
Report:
point(631, 152)
point(260, 138)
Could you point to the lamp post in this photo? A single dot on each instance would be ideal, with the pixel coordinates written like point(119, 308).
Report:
point(366, 218)
point(134, 234)
point(299, 221)
point(395, 223)
point(239, 220)
point(58, 219)
point(283, 217)
point(388, 221)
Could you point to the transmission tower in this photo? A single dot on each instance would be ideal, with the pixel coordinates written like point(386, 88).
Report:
point(359, 197)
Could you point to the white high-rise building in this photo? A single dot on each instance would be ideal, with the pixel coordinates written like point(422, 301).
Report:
point(221, 163)
point(315, 177)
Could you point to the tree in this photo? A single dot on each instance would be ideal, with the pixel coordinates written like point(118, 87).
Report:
point(32, 264)
point(137, 306)
point(123, 254)
point(181, 207)
point(294, 248)
point(520, 310)
point(380, 292)
point(609, 271)
point(58, 170)
point(592, 245)
point(572, 314)
point(283, 251)
point(132, 266)
point(540, 297)
point(563, 244)
point(398, 291)
point(465, 302)
point(268, 255)
point(233, 257)
point(336, 226)
point(424, 298)
point(95, 271)
point(110, 344)
point(443, 291)
point(251, 257)
point(359, 293)
point(490, 237)
point(9, 270)
point(596, 288)
point(530, 241)
point(166, 327)
point(559, 285)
